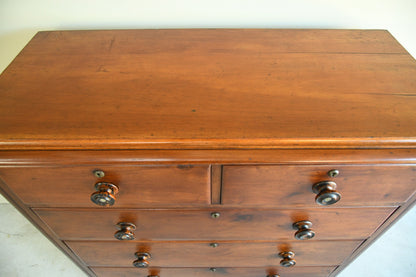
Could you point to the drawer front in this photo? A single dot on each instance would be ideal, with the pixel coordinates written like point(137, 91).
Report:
point(138, 186)
point(245, 224)
point(315, 271)
point(359, 185)
point(226, 254)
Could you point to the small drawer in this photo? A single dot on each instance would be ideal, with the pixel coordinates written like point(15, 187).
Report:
point(287, 185)
point(202, 254)
point(315, 271)
point(138, 186)
point(245, 224)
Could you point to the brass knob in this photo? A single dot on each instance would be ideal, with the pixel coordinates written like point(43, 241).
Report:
point(99, 173)
point(327, 194)
point(125, 231)
point(304, 230)
point(215, 214)
point(287, 260)
point(105, 194)
point(142, 260)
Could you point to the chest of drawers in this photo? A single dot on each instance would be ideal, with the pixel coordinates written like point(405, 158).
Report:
point(258, 153)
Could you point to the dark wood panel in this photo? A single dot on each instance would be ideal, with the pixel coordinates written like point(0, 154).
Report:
point(243, 224)
point(193, 89)
point(206, 272)
point(138, 185)
point(364, 185)
point(201, 254)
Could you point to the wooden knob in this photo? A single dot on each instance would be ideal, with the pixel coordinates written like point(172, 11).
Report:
point(304, 230)
point(105, 194)
point(327, 194)
point(273, 275)
point(125, 231)
point(287, 260)
point(142, 260)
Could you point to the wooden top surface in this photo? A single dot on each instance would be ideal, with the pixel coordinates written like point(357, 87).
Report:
point(209, 89)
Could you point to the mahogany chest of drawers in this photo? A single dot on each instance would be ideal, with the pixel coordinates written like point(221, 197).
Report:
point(257, 153)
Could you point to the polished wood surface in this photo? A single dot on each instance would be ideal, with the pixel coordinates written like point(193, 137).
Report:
point(138, 185)
point(241, 224)
point(314, 271)
point(201, 254)
point(359, 185)
point(147, 157)
point(195, 123)
point(177, 89)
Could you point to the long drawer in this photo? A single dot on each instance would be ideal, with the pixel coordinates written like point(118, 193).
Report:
point(202, 254)
point(315, 271)
point(291, 185)
point(213, 224)
point(138, 186)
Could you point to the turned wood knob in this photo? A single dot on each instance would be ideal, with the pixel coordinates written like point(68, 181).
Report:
point(273, 275)
point(327, 194)
point(125, 231)
point(105, 194)
point(287, 260)
point(304, 230)
point(142, 260)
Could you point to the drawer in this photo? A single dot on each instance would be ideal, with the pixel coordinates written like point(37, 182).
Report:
point(315, 271)
point(202, 254)
point(244, 224)
point(137, 185)
point(359, 185)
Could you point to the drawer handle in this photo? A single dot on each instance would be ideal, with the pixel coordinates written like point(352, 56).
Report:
point(142, 260)
point(125, 231)
point(304, 230)
point(287, 260)
point(273, 275)
point(105, 194)
point(327, 194)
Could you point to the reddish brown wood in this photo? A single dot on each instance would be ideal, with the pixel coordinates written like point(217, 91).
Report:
point(216, 183)
point(284, 106)
point(238, 40)
point(401, 211)
point(42, 227)
point(201, 254)
point(363, 185)
point(206, 272)
point(209, 89)
point(242, 224)
point(139, 186)
point(146, 157)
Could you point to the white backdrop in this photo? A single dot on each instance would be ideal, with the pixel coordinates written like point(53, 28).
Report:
point(24, 252)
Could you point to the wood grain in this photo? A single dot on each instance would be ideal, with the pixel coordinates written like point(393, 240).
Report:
point(365, 185)
point(205, 272)
point(216, 183)
point(147, 157)
point(187, 122)
point(209, 89)
point(139, 186)
point(241, 224)
point(227, 254)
